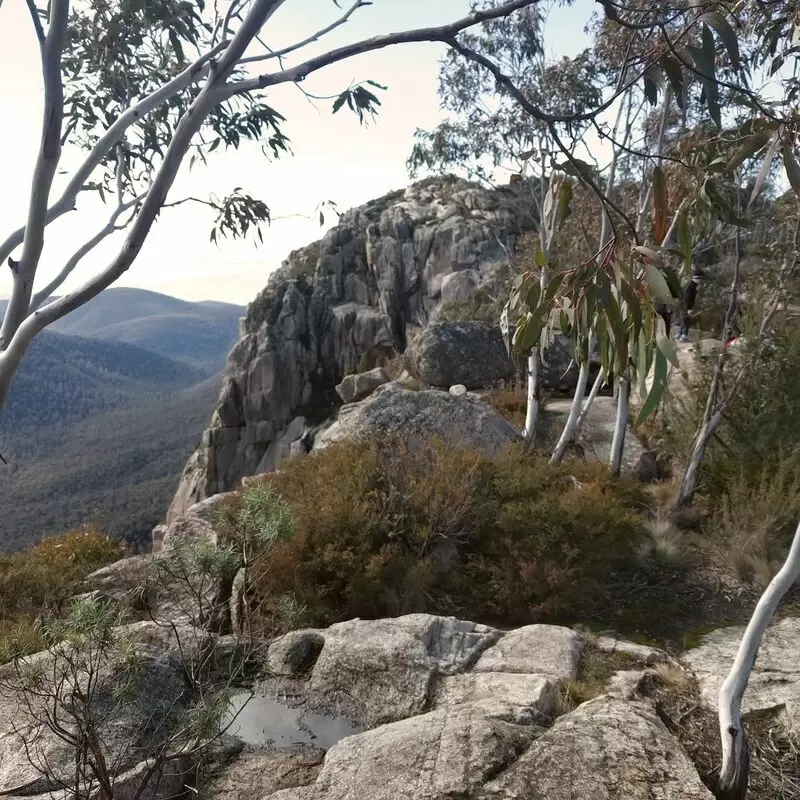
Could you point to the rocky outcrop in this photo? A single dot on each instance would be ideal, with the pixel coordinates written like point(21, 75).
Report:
point(347, 302)
point(379, 671)
point(419, 415)
point(357, 386)
point(468, 353)
point(604, 750)
point(460, 710)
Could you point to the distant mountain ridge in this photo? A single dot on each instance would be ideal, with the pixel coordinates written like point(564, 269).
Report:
point(198, 333)
point(104, 411)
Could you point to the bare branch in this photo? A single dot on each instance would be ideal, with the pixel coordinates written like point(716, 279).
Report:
point(313, 38)
point(549, 120)
point(37, 23)
point(110, 227)
point(443, 33)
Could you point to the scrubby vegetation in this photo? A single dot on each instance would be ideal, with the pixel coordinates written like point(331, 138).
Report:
point(750, 478)
point(36, 583)
point(385, 530)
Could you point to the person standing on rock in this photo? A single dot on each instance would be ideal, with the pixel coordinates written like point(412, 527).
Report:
point(689, 298)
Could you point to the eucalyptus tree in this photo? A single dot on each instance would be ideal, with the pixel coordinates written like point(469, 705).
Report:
point(731, 72)
point(490, 136)
point(141, 86)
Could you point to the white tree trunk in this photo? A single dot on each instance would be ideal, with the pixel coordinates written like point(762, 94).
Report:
point(734, 773)
point(587, 406)
point(533, 400)
point(620, 426)
point(568, 434)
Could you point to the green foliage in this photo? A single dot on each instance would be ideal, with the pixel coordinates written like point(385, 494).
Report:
point(262, 517)
point(384, 530)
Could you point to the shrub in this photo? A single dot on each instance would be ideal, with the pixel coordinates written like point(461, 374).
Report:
point(384, 530)
point(511, 403)
point(42, 577)
point(35, 583)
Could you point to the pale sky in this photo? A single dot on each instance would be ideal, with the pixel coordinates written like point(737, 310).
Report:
point(334, 157)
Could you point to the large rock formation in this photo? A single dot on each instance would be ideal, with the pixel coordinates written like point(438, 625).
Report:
point(350, 300)
point(470, 353)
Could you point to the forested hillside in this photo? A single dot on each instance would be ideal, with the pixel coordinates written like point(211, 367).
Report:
point(98, 425)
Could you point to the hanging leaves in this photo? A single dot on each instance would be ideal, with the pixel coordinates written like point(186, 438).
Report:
point(725, 33)
point(656, 390)
point(564, 203)
point(685, 238)
point(749, 147)
point(765, 168)
point(360, 101)
point(711, 195)
point(672, 69)
point(704, 63)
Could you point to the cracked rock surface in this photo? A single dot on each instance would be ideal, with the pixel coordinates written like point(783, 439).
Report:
point(461, 711)
point(775, 680)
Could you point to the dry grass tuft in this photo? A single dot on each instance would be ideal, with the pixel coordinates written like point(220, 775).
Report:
point(665, 545)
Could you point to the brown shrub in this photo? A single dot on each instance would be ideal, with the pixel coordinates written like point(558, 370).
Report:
point(35, 583)
point(511, 403)
point(384, 530)
point(40, 578)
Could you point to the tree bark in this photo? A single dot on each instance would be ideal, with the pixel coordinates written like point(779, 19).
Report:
point(533, 403)
point(620, 426)
point(734, 772)
point(44, 171)
point(587, 406)
point(568, 434)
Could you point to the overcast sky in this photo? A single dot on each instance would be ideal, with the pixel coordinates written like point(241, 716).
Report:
point(334, 157)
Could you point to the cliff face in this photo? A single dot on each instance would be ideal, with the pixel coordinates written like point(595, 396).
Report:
point(350, 300)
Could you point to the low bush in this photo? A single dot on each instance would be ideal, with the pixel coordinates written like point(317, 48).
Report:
point(35, 583)
point(510, 402)
point(385, 530)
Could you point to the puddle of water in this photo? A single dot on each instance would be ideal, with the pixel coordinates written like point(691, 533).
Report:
point(264, 720)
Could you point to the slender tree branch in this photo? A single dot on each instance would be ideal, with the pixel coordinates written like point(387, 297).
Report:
point(111, 137)
point(549, 120)
point(443, 33)
point(313, 38)
point(110, 227)
point(43, 173)
point(37, 23)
